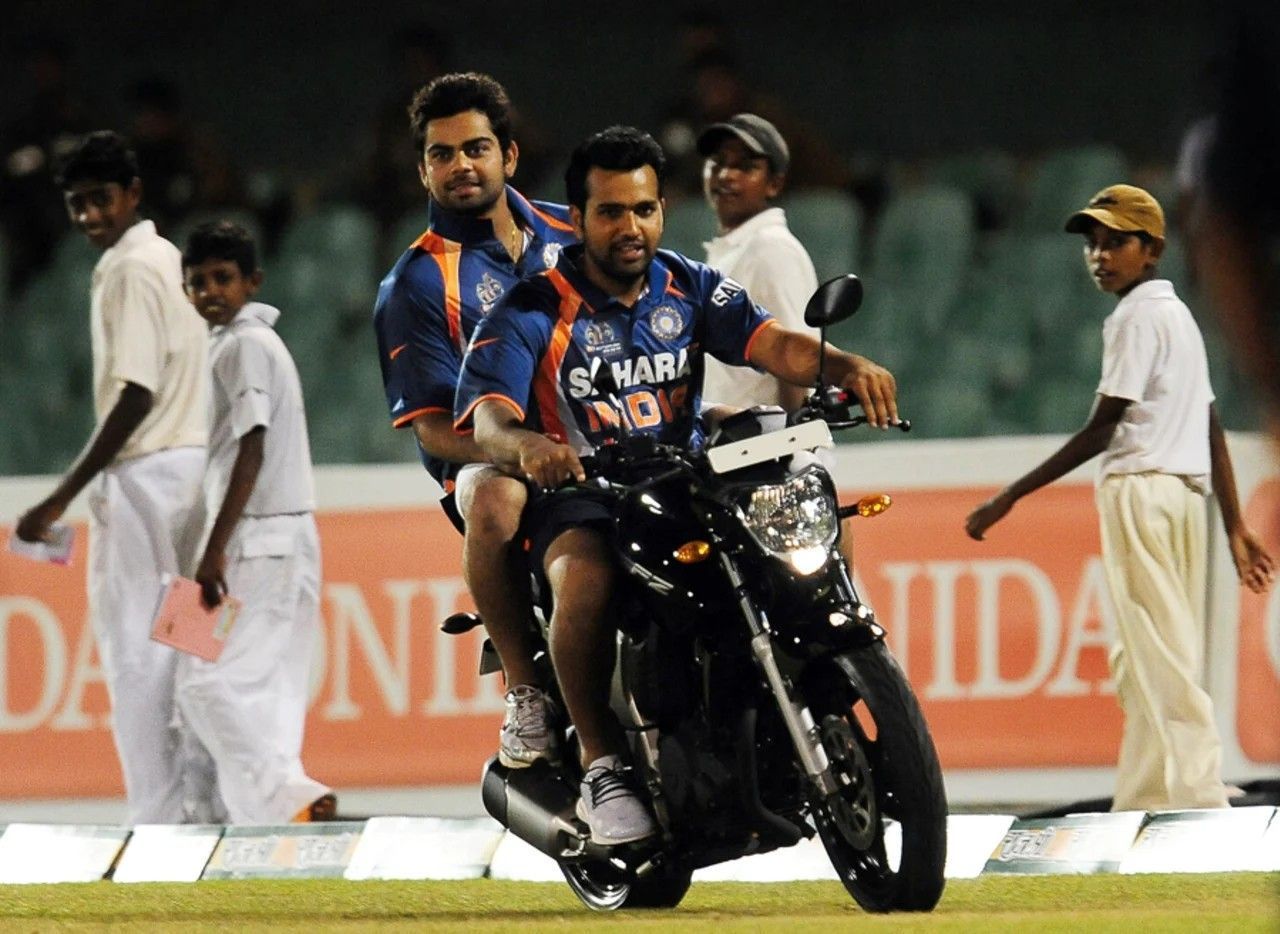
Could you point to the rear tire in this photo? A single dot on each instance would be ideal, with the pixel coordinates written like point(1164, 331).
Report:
point(893, 774)
point(602, 886)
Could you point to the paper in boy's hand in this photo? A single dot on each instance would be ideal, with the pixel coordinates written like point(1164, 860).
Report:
point(185, 623)
point(56, 549)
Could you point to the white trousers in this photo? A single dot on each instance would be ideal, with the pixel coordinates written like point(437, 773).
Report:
point(1154, 543)
point(248, 707)
point(143, 513)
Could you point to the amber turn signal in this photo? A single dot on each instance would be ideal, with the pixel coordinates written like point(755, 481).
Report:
point(874, 504)
point(693, 552)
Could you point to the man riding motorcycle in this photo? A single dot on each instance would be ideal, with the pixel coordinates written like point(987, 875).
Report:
point(532, 373)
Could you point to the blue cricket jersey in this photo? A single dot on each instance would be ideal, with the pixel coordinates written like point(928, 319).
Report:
point(539, 349)
point(439, 291)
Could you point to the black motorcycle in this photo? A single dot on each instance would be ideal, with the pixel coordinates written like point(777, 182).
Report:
point(760, 701)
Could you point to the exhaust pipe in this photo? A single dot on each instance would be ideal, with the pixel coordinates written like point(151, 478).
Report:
point(536, 805)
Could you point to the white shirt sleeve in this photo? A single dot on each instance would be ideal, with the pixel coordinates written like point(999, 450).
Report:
point(1128, 357)
point(132, 319)
point(244, 373)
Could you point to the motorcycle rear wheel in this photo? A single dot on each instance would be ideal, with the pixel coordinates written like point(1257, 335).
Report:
point(601, 886)
point(890, 770)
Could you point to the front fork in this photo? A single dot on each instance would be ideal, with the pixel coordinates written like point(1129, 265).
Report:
point(805, 736)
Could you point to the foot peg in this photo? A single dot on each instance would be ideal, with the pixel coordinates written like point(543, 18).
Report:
point(459, 623)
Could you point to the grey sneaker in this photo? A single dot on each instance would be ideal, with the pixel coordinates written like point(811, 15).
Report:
point(526, 736)
point(610, 806)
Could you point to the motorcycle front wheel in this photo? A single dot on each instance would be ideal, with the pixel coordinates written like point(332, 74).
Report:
point(885, 765)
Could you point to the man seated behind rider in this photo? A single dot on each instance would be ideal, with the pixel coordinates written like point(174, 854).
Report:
point(482, 237)
point(617, 301)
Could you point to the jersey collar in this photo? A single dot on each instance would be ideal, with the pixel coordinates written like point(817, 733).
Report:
point(253, 313)
point(1152, 288)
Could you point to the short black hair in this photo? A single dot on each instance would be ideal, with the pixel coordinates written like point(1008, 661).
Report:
point(458, 92)
point(100, 156)
point(221, 240)
point(618, 149)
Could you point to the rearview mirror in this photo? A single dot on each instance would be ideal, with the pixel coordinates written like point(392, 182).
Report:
point(834, 301)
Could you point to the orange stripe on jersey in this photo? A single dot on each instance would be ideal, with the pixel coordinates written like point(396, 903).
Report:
point(746, 354)
point(448, 256)
point(488, 340)
point(487, 397)
point(432, 242)
point(407, 417)
point(671, 289)
point(550, 220)
point(546, 382)
point(448, 263)
point(397, 351)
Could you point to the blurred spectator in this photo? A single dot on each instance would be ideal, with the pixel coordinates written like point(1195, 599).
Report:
point(1235, 228)
point(186, 168)
point(46, 129)
point(718, 90)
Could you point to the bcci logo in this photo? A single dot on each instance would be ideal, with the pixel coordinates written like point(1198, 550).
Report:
point(599, 333)
point(488, 291)
point(666, 322)
point(550, 253)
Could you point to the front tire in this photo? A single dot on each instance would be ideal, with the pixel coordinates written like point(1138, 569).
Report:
point(886, 765)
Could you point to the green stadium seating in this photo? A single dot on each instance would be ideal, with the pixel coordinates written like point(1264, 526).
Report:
point(988, 176)
point(405, 231)
point(1064, 181)
point(920, 256)
point(341, 243)
point(689, 224)
point(829, 224)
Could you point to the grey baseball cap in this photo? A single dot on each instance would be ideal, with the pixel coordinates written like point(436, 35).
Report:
point(756, 133)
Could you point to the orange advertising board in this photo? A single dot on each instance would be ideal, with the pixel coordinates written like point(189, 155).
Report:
point(1258, 653)
point(1005, 642)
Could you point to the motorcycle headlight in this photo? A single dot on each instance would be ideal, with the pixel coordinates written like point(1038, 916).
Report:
point(794, 520)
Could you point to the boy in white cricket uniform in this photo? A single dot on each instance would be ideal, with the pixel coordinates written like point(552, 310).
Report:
point(145, 460)
point(746, 169)
point(249, 706)
point(1163, 447)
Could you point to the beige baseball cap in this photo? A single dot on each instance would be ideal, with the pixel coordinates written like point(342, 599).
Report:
point(1121, 207)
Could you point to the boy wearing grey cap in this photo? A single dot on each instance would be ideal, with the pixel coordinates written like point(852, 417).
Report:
point(745, 170)
point(1163, 447)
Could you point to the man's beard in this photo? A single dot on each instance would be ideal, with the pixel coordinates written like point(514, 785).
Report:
point(479, 208)
point(617, 274)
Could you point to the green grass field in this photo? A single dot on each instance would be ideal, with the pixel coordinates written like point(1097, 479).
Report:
point(1237, 902)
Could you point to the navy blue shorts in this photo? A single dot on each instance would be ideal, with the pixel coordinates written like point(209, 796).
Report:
point(550, 515)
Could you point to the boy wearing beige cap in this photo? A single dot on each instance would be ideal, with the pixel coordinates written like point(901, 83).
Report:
point(1163, 449)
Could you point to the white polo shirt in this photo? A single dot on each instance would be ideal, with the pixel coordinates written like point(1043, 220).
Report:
point(145, 331)
point(765, 258)
point(1153, 355)
point(255, 383)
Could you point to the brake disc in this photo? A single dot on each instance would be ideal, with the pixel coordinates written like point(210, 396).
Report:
point(852, 807)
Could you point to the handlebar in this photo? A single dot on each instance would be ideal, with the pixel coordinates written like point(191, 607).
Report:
point(639, 451)
point(903, 424)
point(831, 404)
